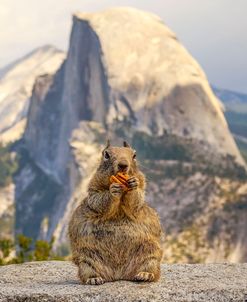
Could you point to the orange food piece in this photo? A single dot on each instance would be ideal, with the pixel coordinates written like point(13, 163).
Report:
point(115, 179)
point(120, 178)
point(123, 177)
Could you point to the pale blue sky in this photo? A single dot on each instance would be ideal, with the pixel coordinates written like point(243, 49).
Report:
point(214, 31)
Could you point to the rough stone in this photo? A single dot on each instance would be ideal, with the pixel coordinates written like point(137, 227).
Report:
point(57, 281)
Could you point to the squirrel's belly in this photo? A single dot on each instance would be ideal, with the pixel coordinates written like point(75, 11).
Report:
point(118, 246)
point(114, 233)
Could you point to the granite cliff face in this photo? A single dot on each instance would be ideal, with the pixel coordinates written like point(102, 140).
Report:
point(127, 76)
point(115, 80)
point(153, 81)
point(16, 84)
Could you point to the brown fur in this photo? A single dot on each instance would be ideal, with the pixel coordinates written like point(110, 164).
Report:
point(114, 234)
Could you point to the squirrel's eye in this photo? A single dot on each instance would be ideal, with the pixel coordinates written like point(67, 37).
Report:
point(106, 155)
point(134, 156)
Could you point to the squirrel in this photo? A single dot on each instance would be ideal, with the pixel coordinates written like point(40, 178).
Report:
point(114, 234)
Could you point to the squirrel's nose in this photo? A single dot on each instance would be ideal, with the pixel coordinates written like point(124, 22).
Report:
point(122, 166)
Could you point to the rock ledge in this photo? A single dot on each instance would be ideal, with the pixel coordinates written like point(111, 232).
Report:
point(57, 281)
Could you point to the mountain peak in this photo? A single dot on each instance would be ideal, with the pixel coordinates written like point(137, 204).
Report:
point(111, 12)
point(148, 68)
point(16, 83)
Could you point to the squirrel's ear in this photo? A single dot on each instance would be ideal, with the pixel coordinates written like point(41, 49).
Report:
point(125, 144)
point(107, 144)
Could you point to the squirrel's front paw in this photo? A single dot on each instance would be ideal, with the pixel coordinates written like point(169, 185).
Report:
point(116, 189)
point(133, 183)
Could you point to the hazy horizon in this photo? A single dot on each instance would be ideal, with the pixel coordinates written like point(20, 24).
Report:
point(212, 31)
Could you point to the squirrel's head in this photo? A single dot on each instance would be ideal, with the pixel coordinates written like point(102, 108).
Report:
point(118, 159)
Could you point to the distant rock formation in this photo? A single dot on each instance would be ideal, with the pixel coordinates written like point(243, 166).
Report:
point(236, 114)
point(233, 101)
point(16, 84)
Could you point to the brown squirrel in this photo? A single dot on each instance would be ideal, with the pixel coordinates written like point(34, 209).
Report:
point(114, 234)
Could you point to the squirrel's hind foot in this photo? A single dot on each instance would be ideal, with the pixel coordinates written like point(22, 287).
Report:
point(144, 276)
point(95, 281)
